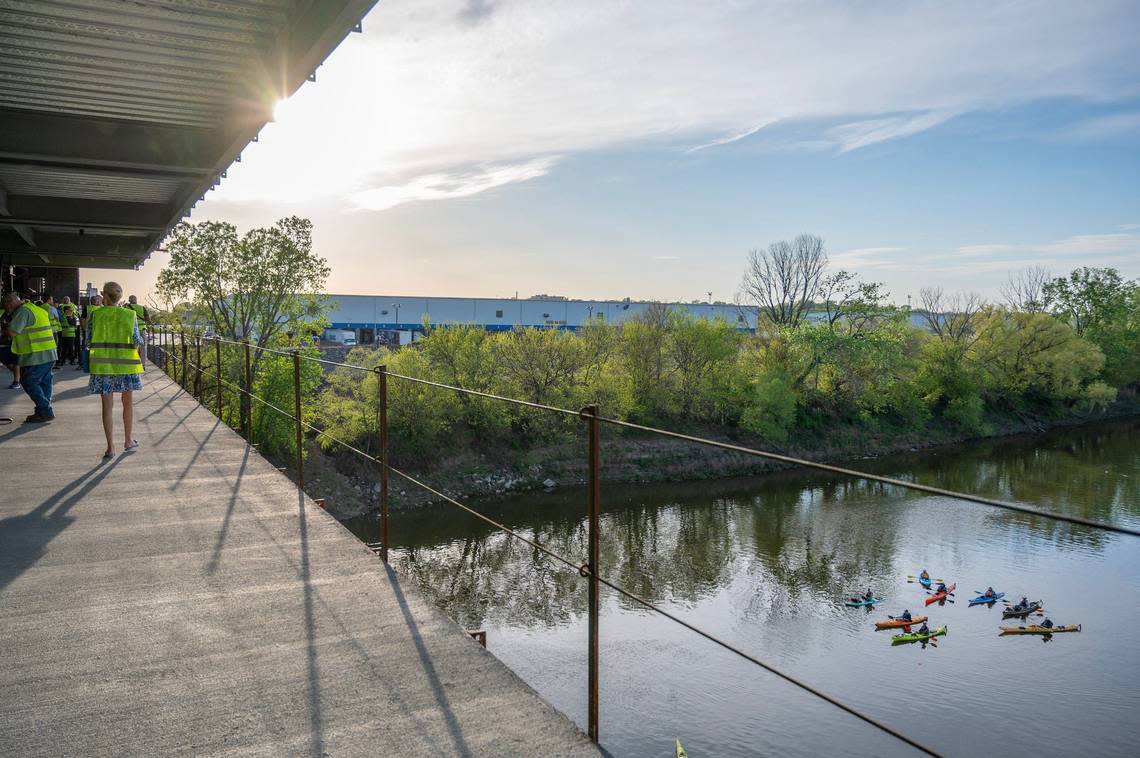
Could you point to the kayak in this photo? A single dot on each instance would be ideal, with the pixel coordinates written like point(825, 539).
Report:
point(940, 595)
point(899, 639)
point(1014, 612)
point(863, 603)
point(1035, 629)
point(925, 582)
point(679, 751)
point(983, 599)
point(898, 622)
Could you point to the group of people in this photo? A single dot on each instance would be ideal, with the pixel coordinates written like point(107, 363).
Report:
point(39, 337)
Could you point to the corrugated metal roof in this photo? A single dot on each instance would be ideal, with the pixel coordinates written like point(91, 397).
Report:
point(140, 105)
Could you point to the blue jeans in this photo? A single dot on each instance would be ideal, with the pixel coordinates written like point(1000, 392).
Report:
point(36, 381)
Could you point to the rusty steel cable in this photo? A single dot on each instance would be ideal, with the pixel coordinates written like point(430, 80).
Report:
point(926, 488)
point(791, 460)
point(585, 570)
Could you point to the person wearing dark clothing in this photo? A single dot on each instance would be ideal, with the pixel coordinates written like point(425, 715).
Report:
point(8, 358)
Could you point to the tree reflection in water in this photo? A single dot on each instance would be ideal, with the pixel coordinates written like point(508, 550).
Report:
point(790, 540)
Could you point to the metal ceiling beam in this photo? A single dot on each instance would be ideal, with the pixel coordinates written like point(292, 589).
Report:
point(82, 213)
point(70, 243)
point(65, 260)
point(50, 139)
point(115, 118)
point(25, 232)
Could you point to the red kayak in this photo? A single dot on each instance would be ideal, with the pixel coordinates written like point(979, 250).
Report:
point(940, 595)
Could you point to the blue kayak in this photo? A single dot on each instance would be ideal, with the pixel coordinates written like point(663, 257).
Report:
point(863, 603)
point(980, 599)
point(925, 582)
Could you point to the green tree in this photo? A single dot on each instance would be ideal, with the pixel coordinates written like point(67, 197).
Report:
point(1104, 308)
point(257, 286)
point(543, 365)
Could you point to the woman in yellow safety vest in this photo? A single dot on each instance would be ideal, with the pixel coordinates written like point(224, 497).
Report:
point(116, 368)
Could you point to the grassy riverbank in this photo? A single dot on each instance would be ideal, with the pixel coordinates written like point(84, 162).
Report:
point(349, 484)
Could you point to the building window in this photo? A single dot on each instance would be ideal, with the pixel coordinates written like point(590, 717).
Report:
point(498, 314)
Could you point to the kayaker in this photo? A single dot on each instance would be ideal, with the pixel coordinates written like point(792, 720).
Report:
point(868, 595)
point(1047, 623)
point(989, 592)
point(1023, 604)
point(941, 587)
point(905, 616)
point(924, 629)
point(924, 575)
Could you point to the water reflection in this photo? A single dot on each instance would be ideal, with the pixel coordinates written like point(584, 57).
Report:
point(797, 537)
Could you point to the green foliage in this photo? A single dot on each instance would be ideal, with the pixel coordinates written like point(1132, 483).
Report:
point(274, 382)
point(771, 407)
point(257, 286)
point(1104, 309)
point(860, 364)
point(1097, 397)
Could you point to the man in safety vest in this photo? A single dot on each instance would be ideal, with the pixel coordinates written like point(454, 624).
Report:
point(69, 329)
point(84, 320)
point(143, 316)
point(34, 346)
point(47, 302)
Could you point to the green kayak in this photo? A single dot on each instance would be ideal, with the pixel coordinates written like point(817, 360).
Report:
point(917, 636)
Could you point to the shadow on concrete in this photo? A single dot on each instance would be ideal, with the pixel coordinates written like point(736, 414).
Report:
point(220, 542)
point(197, 454)
point(460, 745)
point(316, 722)
point(24, 539)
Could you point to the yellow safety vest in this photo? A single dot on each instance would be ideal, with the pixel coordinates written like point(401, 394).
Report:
point(37, 337)
point(113, 349)
point(52, 318)
point(67, 311)
point(140, 311)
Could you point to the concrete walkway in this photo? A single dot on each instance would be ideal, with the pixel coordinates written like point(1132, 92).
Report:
point(184, 600)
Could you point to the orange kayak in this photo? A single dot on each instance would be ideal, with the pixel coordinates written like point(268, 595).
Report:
point(940, 595)
point(898, 622)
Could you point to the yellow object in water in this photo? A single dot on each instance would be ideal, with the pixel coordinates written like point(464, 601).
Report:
point(1032, 629)
point(680, 750)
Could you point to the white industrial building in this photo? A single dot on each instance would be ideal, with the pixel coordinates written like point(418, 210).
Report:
point(370, 315)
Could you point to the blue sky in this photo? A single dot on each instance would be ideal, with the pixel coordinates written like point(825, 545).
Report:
point(642, 148)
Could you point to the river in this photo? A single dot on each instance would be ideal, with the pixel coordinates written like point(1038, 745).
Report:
point(766, 563)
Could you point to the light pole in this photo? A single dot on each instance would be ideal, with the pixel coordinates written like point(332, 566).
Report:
point(397, 307)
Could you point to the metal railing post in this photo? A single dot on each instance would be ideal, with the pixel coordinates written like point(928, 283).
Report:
point(218, 372)
point(382, 423)
point(593, 548)
point(182, 341)
point(247, 399)
point(297, 411)
point(162, 343)
point(197, 365)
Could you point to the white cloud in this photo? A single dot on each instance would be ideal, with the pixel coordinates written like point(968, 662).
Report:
point(857, 134)
point(1111, 249)
point(440, 186)
point(436, 87)
point(1103, 127)
point(863, 258)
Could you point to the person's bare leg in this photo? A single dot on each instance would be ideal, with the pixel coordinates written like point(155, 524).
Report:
point(109, 421)
point(128, 417)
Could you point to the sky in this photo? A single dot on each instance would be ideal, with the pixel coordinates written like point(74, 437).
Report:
point(640, 149)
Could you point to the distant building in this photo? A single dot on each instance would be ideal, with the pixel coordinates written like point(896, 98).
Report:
point(382, 317)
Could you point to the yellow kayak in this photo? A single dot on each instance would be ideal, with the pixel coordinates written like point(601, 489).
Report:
point(680, 750)
point(1033, 629)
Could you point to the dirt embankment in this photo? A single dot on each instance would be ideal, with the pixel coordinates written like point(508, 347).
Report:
point(350, 485)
